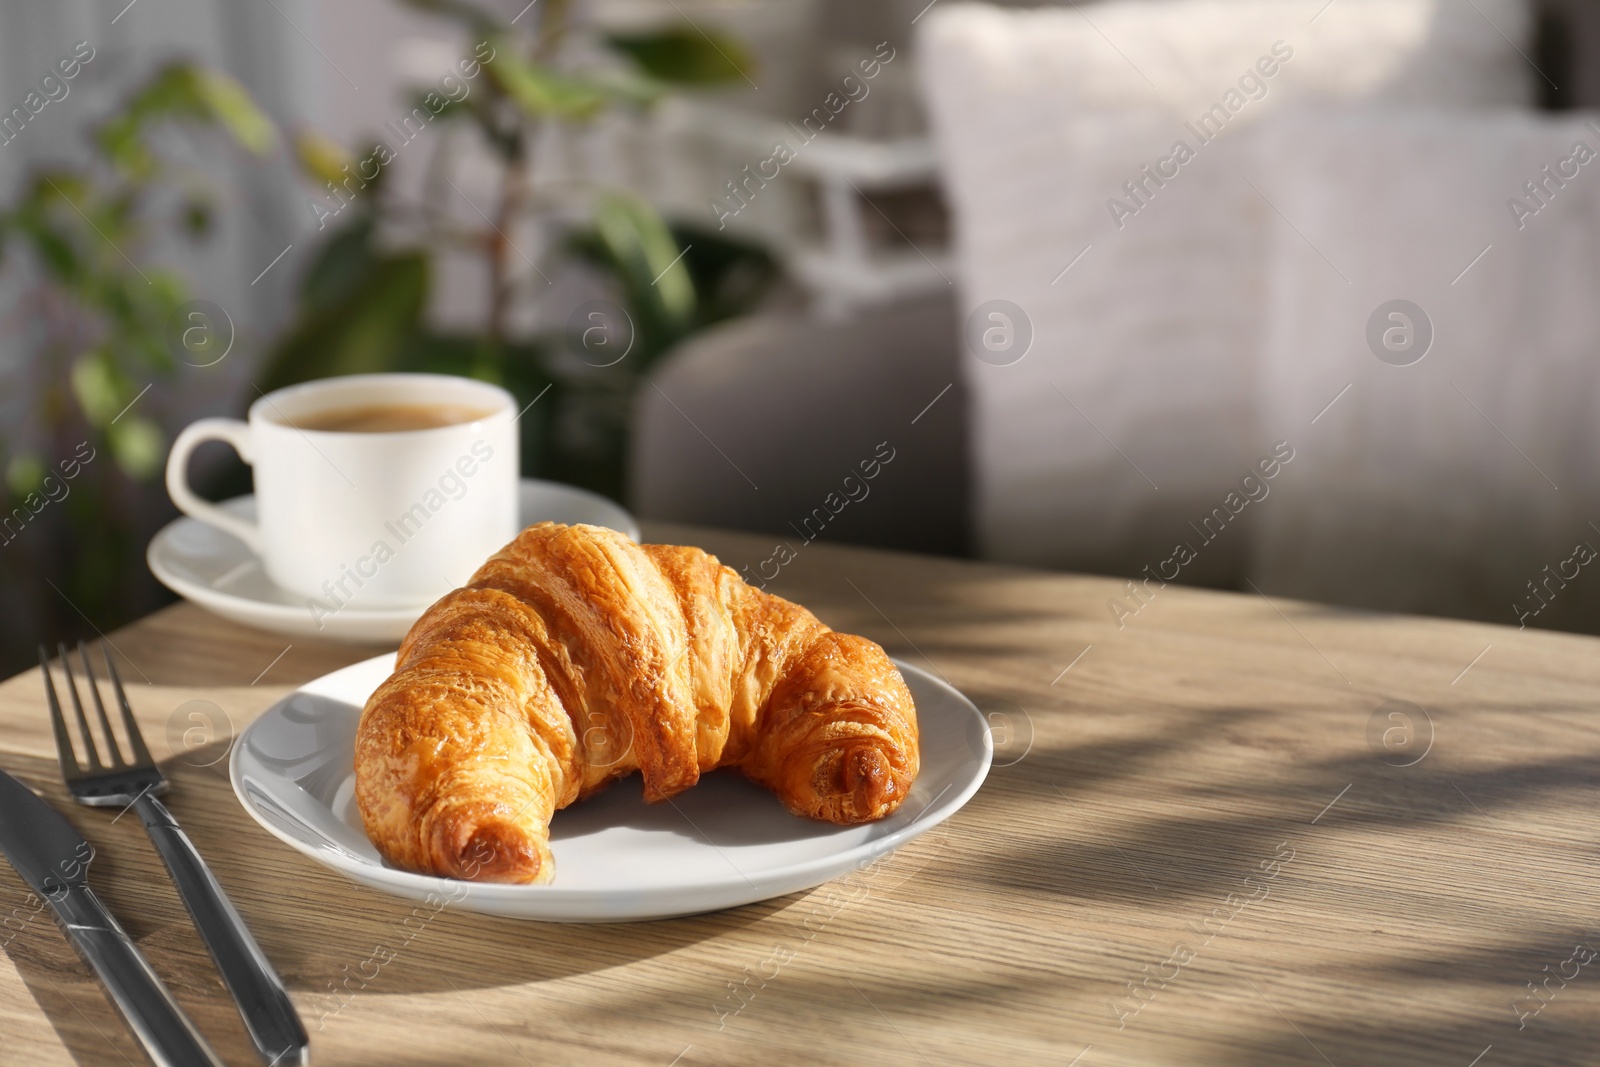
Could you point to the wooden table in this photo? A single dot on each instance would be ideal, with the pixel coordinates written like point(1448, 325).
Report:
point(1196, 847)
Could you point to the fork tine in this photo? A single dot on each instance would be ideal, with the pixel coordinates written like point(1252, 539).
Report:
point(141, 754)
point(113, 752)
point(58, 724)
point(77, 705)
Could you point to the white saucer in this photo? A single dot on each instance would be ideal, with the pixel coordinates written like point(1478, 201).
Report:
point(721, 844)
point(215, 570)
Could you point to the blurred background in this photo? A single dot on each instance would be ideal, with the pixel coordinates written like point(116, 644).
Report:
point(1292, 297)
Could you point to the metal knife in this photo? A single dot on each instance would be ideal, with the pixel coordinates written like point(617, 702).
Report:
point(53, 858)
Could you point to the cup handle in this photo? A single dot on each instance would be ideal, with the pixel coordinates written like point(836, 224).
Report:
point(235, 433)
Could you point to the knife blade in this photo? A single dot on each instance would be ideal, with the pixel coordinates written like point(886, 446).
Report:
point(53, 858)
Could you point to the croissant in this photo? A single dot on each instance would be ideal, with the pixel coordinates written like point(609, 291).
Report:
point(574, 657)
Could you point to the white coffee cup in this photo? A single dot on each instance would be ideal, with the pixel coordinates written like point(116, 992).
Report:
point(375, 520)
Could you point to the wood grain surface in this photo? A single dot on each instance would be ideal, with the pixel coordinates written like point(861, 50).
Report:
point(1206, 840)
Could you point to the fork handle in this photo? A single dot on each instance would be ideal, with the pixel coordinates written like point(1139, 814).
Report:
point(263, 1003)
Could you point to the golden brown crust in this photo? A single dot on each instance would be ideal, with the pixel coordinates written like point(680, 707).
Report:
point(575, 656)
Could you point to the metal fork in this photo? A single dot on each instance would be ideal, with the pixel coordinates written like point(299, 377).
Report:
point(268, 1014)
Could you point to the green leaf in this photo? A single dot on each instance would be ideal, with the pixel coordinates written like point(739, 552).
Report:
point(119, 139)
point(364, 332)
point(54, 247)
point(539, 91)
point(629, 86)
point(341, 265)
point(731, 275)
point(644, 248)
point(165, 289)
point(457, 10)
point(137, 445)
point(321, 157)
point(24, 474)
point(448, 109)
point(684, 55)
point(231, 105)
point(513, 364)
point(184, 91)
point(631, 243)
point(66, 185)
point(97, 387)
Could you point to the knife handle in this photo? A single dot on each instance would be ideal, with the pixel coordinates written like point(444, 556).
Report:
point(166, 1033)
point(263, 1003)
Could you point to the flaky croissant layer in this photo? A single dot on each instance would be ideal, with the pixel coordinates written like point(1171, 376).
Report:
point(575, 656)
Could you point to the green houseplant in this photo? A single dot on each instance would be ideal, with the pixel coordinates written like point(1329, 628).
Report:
point(101, 315)
point(365, 294)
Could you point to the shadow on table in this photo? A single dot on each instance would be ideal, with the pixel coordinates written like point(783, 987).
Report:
point(1456, 1042)
point(1173, 852)
point(1178, 808)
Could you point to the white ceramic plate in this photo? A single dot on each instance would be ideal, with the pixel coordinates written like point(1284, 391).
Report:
point(723, 843)
point(216, 571)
